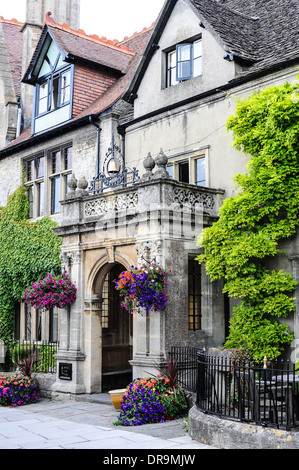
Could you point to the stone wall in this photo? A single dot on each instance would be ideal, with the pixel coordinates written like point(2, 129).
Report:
point(228, 434)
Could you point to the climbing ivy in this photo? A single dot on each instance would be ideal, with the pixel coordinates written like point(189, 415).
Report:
point(243, 245)
point(28, 251)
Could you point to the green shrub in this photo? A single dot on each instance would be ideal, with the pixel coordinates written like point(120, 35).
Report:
point(242, 244)
point(28, 251)
point(47, 361)
point(21, 351)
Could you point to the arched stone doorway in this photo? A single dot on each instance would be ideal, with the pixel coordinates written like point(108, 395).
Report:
point(117, 334)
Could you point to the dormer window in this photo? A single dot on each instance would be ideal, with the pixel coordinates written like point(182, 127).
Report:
point(184, 62)
point(54, 92)
point(53, 80)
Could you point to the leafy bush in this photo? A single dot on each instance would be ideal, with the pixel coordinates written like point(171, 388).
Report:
point(28, 251)
point(39, 355)
point(17, 390)
point(21, 351)
point(241, 246)
point(47, 361)
point(151, 400)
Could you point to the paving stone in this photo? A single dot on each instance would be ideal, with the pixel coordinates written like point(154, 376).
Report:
point(85, 425)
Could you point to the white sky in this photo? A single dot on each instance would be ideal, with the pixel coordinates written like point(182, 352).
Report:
point(113, 19)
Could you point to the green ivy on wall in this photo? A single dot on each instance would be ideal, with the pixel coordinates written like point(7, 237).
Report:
point(28, 251)
point(240, 245)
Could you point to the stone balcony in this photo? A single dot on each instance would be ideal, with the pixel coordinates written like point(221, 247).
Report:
point(82, 207)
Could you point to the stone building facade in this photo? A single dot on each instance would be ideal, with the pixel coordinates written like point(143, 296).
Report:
point(103, 234)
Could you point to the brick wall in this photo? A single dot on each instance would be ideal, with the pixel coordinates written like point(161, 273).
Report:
point(88, 85)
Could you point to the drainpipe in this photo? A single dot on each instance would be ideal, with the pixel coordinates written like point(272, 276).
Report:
point(122, 131)
point(19, 121)
point(91, 121)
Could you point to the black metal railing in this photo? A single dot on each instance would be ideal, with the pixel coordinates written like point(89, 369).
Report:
point(42, 354)
point(264, 393)
point(186, 362)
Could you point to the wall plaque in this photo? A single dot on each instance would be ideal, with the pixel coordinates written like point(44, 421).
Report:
point(65, 371)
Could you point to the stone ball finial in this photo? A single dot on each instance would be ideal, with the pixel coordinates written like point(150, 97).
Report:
point(82, 183)
point(72, 183)
point(149, 165)
point(161, 162)
point(161, 159)
point(149, 162)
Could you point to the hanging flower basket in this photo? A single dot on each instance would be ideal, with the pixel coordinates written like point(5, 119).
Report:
point(52, 291)
point(143, 287)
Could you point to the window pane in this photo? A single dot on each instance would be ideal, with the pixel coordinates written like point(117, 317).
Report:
point(197, 49)
point(172, 77)
point(56, 162)
point(45, 69)
point(40, 167)
point(27, 323)
point(67, 178)
point(184, 172)
point(65, 87)
point(65, 95)
point(55, 87)
point(29, 170)
point(43, 98)
point(68, 153)
point(55, 195)
point(197, 67)
point(172, 59)
point(170, 170)
point(184, 70)
point(184, 66)
point(200, 171)
point(171, 71)
point(184, 52)
point(52, 54)
point(60, 62)
point(54, 324)
point(65, 79)
point(43, 90)
point(41, 199)
point(38, 331)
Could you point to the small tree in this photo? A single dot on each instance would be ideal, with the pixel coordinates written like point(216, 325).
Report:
point(239, 246)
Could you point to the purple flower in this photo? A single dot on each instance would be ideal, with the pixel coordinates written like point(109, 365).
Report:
point(51, 292)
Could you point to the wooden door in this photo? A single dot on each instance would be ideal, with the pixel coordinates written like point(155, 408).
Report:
point(117, 335)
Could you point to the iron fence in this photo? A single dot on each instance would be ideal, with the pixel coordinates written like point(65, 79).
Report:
point(42, 354)
point(186, 362)
point(264, 393)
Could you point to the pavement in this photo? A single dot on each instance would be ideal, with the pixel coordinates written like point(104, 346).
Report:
point(87, 423)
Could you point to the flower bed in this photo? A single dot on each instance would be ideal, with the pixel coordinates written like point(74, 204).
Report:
point(51, 292)
point(17, 390)
point(151, 400)
point(143, 287)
